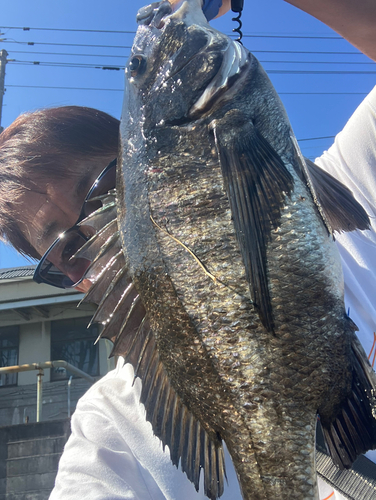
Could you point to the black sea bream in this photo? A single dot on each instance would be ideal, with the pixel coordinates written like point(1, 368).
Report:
point(225, 288)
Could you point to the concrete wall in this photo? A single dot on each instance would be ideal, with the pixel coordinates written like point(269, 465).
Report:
point(29, 456)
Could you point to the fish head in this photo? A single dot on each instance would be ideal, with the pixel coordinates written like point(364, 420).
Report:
point(179, 65)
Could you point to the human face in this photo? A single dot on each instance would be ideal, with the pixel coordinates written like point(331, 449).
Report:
point(55, 207)
point(59, 266)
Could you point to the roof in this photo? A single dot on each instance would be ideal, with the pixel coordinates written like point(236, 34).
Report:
point(17, 272)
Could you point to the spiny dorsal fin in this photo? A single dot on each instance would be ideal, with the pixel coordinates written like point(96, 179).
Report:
point(126, 324)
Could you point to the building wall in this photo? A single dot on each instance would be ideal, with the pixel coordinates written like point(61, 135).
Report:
point(35, 347)
point(32, 308)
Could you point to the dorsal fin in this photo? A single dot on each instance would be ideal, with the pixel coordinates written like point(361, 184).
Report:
point(126, 324)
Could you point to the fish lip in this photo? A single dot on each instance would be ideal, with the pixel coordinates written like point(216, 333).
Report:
point(156, 14)
point(153, 14)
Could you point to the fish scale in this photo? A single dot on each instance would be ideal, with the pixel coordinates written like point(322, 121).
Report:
point(180, 265)
point(233, 315)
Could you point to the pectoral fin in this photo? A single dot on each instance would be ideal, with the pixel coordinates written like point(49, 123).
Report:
point(257, 183)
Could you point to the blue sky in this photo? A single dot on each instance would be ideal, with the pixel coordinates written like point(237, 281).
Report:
point(319, 76)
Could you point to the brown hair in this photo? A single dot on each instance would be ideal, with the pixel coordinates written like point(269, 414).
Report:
point(47, 145)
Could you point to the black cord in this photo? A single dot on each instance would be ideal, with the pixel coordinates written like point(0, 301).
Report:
point(237, 7)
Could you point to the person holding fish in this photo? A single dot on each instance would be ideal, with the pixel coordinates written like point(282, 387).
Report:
point(113, 452)
point(354, 21)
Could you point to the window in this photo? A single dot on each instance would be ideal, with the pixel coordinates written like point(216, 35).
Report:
point(73, 342)
point(9, 340)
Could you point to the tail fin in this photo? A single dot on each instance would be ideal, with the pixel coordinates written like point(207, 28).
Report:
point(353, 432)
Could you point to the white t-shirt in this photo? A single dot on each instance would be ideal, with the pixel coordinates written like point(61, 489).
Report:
point(112, 453)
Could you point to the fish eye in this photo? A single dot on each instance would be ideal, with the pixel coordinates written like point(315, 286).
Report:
point(137, 65)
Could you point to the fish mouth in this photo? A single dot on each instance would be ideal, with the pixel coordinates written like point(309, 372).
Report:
point(155, 14)
point(235, 58)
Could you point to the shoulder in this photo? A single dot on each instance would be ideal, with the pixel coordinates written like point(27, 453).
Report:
point(211, 8)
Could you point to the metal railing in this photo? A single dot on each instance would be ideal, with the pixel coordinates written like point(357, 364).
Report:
point(43, 366)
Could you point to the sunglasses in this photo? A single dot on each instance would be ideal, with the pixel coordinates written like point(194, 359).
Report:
point(57, 267)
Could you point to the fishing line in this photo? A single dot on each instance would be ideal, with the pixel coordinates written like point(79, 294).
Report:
point(216, 280)
point(203, 267)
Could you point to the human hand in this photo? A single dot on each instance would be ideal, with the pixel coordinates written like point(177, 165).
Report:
point(211, 8)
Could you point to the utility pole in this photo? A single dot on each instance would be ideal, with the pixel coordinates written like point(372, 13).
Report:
point(3, 61)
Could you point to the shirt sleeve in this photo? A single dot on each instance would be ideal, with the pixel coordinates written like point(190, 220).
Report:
point(211, 8)
point(352, 158)
point(113, 454)
point(97, 459)
point(106, 456)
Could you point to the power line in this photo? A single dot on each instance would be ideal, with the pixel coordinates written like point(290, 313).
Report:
point(317, 138)
point(122, 67)
point(64, 54)
point(4, 40)
point(317, 62)
point(62, 88)
point(65, 65)
point(309, 52)
point(68, 44)
point(312, 52)
point(132, 32)
point(64, 29)
point(271, 71)
point(322, 93)
point(302, 37)
point(121, 90)
point(318, 72)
